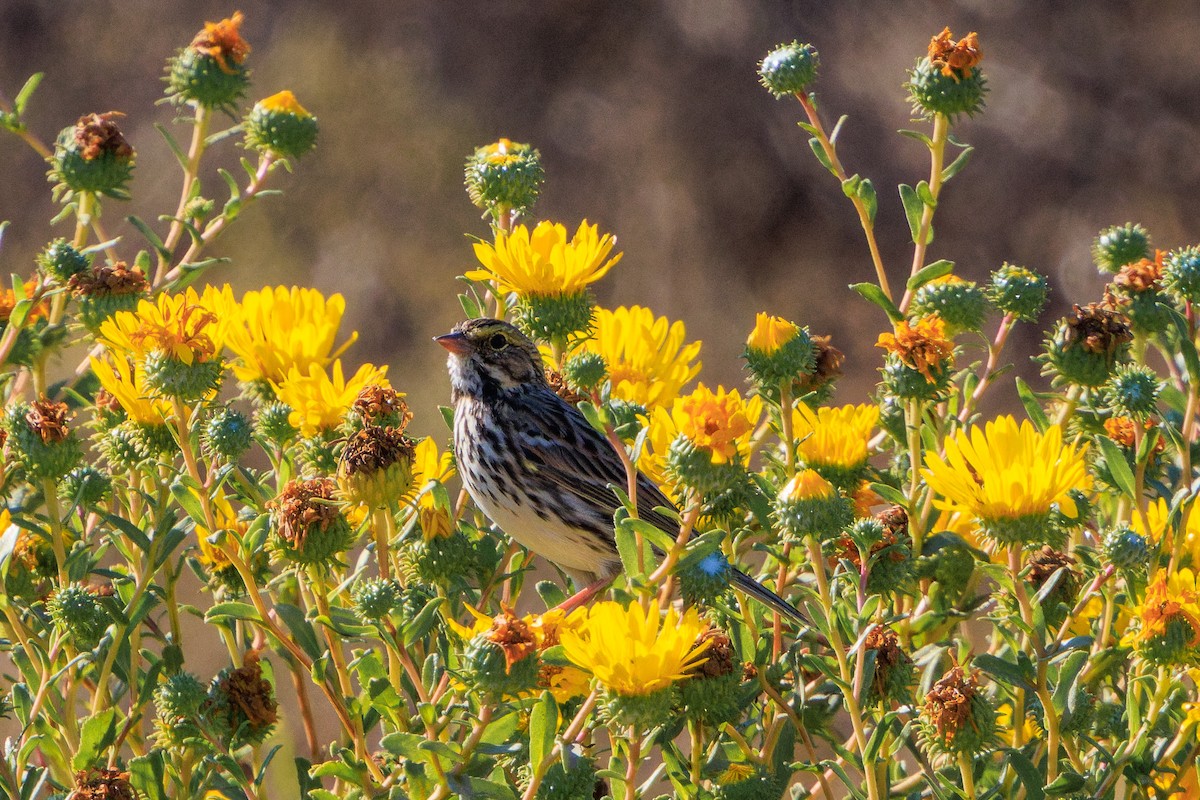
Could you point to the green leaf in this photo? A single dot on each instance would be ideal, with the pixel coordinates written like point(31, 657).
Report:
point(1068, 676)
point(543, 727)
point(958, 163)
point(302, 632)
point(1033, 408)
point(1067, 782)
point(1031, 777)
point(1118, 467)
point(551, 593)
point(147, 776)
point(420, 626)
point(180, 155)
point(22, 98)
point(447, 413)
point(470, 306)
point(231, 610)
point(926, 194)
point(150, 235)
point(890, 493)
point(913, 209)
point(837, 128)
point(1003, 671)
point(98, 732)
point(1187, 347)
point(821, 155)
point(872, 292)
point(866, 193)
point(920, 137)
point(850, 185)
point(184, 490)
point(930, 272)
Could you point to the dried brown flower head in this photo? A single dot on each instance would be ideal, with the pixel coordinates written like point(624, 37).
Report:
point(888, 655)
point(948, 704)
point(829, 361)
point(1047, 561)
point(721, 658)
point(949, 55)
point(108, 279)
point(373, 449)
point(376, 402)
point(1141, 275)
point(103, 784)
point(249, 693)
point(223, 42)
point(48, 419)
point(1098, 329)
point(304, 504)
point(513, 636)
point(559, 384)
point(97, 135)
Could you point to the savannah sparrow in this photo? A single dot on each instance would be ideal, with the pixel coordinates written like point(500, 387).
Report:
point(535, 465)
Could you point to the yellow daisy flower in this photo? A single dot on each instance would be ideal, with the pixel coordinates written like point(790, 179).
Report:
point(1158, 517)
point(649, 359)
point(429, 467)
point(635, 651)
point(275, 329)
point(1168, 599)
point(1007, 475)
point(719, 422)
point(834, 437)
point(185, 326)
point(545, 262)
point(127, 383)
point(320, 400)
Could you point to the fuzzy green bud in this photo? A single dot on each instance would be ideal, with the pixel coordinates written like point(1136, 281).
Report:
point(584, 371)
point(809, 505)
point(960, 304)
point(375, 598)
point(1018, 291)
point(79, 613)
point(692, 466)
point(211, 71)
point(1181, 274)
point(504, 177)
point(93, 156)
point(273, 422)
point(569, 778)
point(556, 317)
point(441, 559)
point(906, 383)
point(934, 89)
point(169, 376)
point(1126, 549)
point(493, 669)
point(789, 68)
point(893, 673)
point(703, 576)
point(279, 125)
point(628, 418)
point(179, 702)
point(227, 434)
point(87, 486)
point(639, 711)
point(778, 352)
point(1119, 245)
point(1132, 391)
point(61, 261)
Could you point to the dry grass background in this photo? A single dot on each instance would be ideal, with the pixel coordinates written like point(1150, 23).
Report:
point(651, 123)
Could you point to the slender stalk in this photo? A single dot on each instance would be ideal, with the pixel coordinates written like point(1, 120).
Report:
point(968, 775)
point(191, 172)
point(937, 159)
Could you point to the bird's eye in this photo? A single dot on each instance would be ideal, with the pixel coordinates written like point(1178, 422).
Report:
point(498, 341)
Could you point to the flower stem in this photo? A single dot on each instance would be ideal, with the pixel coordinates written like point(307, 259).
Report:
point(937, 159)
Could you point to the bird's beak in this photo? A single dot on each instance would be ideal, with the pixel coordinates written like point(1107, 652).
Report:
point(454, 342)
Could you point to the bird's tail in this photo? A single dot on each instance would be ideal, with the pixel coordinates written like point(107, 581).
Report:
point(768, 598)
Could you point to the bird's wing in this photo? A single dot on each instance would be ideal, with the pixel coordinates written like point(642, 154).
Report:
point(566, 450)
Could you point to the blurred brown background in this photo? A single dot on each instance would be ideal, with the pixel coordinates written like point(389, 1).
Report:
point(651, 123)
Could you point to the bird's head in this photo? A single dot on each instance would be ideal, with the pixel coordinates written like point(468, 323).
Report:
point(489, 355)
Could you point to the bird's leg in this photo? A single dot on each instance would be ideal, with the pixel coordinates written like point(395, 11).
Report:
point(583, 596)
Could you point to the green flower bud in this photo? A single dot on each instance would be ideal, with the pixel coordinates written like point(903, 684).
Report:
point(1049, 564)
point(640, 711)
point(554, 318)
point(762, 783)
point(227, 434)
point(39, 440)
point(961, 304)
point(809, 505)
point(309, 526)
point(211, 72)
point(569, 778)
point(956, 717)
point(281, 126)
point(1018, 291)
point(713, 694)
point(1132, 391)
point(169, 376)
point(375, 598)
point(441, 559)
point(628, 418)
point(61, 261)
point(412, 601)
point(1087, 345)
point(106, 289)
point(890, 563)
point(87, 486)
point(241, 704)
point(123, 447)
point(1173, 646)
point(499, 671)
point(1181, 275)
point(584, 372)
point(79, 613)
point(693, 467)
point(906, 383)
point(789, 68)
point(179, 703)
point(198, 209)
point(272, 421)
point(935, 88)
point(1108, 720)
point(504, 177)
point(703, 576)
point(947, 560)
point(93, 156)
point(778, 352)
point(376, 466)
point(1127, 550)
point(1119, 245)
point(1080, 712)
point(318, 453)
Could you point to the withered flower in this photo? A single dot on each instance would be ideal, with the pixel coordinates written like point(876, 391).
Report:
point(1098, 329)
point(97, 135)
point(949, 55)
point(48, 419)
point(222, 41)
point(922, 346)
point(513, 636)
point(108, 279)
